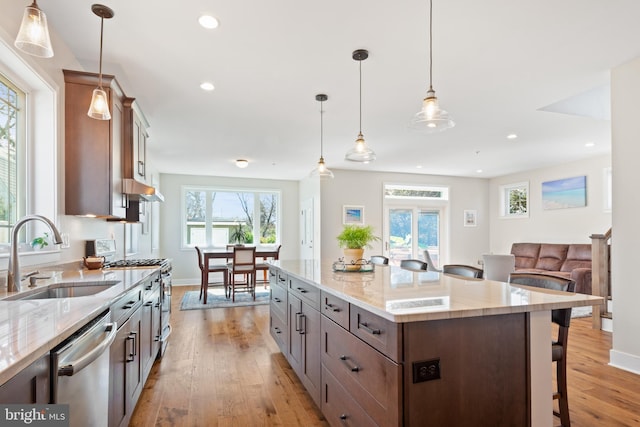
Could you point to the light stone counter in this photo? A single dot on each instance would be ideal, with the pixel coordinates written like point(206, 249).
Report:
point(404, 296)
point(30, 328)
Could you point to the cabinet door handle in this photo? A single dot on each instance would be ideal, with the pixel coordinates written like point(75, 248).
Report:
point(135, 343)
point(366, 327)
point(332, 307)
point(302, 290)
point(148, 304)
point(278, 331)
point(276, 299)
point(130, 355)
point(343, 417)
point(303, 326)
point(352, 368)
point(298, 328)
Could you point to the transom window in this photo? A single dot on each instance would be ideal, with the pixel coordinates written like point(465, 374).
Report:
point(415, 192)
point(11, 149)
point(219, 217)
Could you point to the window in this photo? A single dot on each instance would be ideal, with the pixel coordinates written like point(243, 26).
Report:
point(514, 200)
point(415, 192)
point(11, 152)
point(218, 217)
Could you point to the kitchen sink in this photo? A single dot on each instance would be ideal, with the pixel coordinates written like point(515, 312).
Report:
point(65, 290)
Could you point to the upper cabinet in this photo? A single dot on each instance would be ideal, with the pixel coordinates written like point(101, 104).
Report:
point(136, 126)
point(105, 160)
point(93, 149)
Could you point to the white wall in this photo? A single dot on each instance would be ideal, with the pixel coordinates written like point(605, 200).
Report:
point(466, 244)
point(310, 194)
point(573, 225)
point(625, 92)
point(185, 267)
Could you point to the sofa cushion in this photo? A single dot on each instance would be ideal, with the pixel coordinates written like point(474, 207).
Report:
point(578, 256)
point(551, 256)
point(526, 254)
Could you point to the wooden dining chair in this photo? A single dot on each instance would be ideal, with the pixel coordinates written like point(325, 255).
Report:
point(244, 264)
point(264, 267)
point(413, 265)
point(204, 275)
point(561, 317)
point(462, 270)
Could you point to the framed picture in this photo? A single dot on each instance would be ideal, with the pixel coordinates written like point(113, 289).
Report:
point(353, 215)
point(564, 193)
point(470, 218)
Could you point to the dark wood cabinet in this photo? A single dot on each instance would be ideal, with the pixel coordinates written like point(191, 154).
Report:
point(136, 135)
point(93, 149)
point(31, 385)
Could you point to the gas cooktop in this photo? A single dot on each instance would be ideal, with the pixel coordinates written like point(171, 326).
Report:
point(146, 262)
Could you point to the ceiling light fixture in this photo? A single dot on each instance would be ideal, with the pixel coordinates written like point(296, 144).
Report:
point(242, 163)
point(209, 22)
point(360, 153)
point(99, 107)
point(431, 118)
point(33, 36)
point(321, 171)
point(208, 86)
point(512, 136)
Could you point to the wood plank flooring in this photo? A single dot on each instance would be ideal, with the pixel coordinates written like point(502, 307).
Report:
point(222, 368)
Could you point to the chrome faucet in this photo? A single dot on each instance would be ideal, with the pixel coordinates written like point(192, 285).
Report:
point(13, 274)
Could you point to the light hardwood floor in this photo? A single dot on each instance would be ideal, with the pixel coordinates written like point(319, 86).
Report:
point(222, 368)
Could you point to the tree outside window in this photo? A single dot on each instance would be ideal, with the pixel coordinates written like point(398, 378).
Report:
point(515, 200)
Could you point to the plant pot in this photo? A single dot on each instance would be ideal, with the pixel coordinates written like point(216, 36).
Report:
point(351, 257)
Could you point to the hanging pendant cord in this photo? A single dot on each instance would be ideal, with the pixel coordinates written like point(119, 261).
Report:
point(430, 44)
point(321, 135)
point(360, 61)
point(101, 31)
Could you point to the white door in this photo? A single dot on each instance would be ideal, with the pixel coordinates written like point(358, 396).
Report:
point(306, 229)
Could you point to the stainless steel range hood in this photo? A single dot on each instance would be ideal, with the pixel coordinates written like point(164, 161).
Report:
point(146, 192)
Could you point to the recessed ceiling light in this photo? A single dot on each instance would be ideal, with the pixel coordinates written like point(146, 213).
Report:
point(479, 171)
point(209, 22)
point(590, 144)
point(242, 163)
point(419, 166)
point(208, 86)
point(512, 136)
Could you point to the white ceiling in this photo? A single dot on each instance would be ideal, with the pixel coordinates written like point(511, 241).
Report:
point(539, 69)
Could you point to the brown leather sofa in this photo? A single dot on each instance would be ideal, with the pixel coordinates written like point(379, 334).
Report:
point(570, 261)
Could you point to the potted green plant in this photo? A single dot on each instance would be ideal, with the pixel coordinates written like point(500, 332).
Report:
point(239, 235)
point(40, 241)
point(354, 238)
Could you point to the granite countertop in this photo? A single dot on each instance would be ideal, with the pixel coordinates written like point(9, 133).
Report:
point(404, 296)
point(30, 328)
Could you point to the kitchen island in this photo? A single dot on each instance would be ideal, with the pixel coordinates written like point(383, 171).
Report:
point(395, 347)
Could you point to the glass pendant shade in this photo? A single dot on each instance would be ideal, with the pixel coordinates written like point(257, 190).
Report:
point(321, 170)
point(99, 107)
point(361, 152)
point(431, 118)
point(33, 36)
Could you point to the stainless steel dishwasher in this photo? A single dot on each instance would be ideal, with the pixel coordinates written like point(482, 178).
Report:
point(80, 372)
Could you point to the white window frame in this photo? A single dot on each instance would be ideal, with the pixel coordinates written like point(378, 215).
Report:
point(505, 191)
point(208, 214)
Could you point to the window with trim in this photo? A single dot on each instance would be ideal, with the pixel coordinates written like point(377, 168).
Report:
point(219, 217)
point(514, 200)
point(11, 154)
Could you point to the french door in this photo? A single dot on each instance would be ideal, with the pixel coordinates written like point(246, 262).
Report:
point(410, 231)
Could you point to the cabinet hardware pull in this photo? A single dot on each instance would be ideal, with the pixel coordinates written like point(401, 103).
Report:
point(343, 417)
point(278, 331)
point(298, 327)
point(148, 303)
point(302, 290)
point(135, 343)
point(276, 299)
point(354, 368)
point(282, 279)
point(130, 357)
point(332, 307)
point(366, 327)
point(303, 327)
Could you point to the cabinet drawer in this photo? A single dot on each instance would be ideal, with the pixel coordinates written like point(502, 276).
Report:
point(281, 277)
point(338, 406)
point(335, 309)
point(278, 299)
point(372, 379)
point(125, 305)
point(278, 330)
point(306, 292)
point(273, 276)
point(382, 334)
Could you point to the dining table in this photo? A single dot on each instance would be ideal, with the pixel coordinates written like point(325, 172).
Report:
point(227, 253)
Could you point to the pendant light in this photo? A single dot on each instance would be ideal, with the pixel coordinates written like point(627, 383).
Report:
point(99, 107)
point(33, 36)
point(431, 118)
point(321, 171)
point(360, 153)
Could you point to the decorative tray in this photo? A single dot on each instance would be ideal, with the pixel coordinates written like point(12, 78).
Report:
point(359, 266)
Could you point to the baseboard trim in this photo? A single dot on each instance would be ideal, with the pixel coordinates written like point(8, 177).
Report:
point(624, 361)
